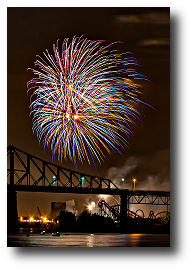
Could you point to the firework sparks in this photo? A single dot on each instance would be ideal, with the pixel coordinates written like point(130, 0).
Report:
point(83, 99)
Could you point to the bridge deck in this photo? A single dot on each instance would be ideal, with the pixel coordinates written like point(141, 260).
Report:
point(82, 190)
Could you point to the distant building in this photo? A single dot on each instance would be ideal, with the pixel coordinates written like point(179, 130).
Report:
point(56, 207)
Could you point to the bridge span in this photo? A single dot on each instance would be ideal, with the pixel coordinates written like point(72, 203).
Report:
point(26, 172)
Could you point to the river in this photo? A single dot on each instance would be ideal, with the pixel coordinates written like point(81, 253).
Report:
point(88, 240)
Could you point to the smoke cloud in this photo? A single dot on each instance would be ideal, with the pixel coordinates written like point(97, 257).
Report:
point(152, 172)
point(70, 207)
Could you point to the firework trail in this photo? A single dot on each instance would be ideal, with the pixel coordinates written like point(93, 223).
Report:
point(83, 100)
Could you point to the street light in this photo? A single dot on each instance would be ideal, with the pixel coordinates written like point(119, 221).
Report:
point(54, 180)
point(123, 181)
point(134, 180)
point(82, 181)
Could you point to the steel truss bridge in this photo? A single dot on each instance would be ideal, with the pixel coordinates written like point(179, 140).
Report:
point(26, 172)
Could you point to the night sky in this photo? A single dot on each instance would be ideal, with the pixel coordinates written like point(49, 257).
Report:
point(144, 32)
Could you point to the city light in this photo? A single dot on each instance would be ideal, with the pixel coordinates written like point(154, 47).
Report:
point(35, 220)
point(44, 219)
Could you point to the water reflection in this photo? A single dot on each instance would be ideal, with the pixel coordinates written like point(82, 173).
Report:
point(89, 240)
point(133, 240)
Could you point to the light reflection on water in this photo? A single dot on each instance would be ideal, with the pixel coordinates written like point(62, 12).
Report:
point(89, 240)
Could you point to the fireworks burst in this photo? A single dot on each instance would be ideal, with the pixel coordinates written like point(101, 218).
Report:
point(83, 99)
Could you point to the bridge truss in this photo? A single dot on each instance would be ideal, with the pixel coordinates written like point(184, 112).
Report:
point(28, 173)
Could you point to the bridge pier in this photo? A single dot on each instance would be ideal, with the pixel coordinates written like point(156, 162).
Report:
point(12, 215)
point(123, 212)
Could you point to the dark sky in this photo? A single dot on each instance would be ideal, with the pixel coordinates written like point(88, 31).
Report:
point(143, 31)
